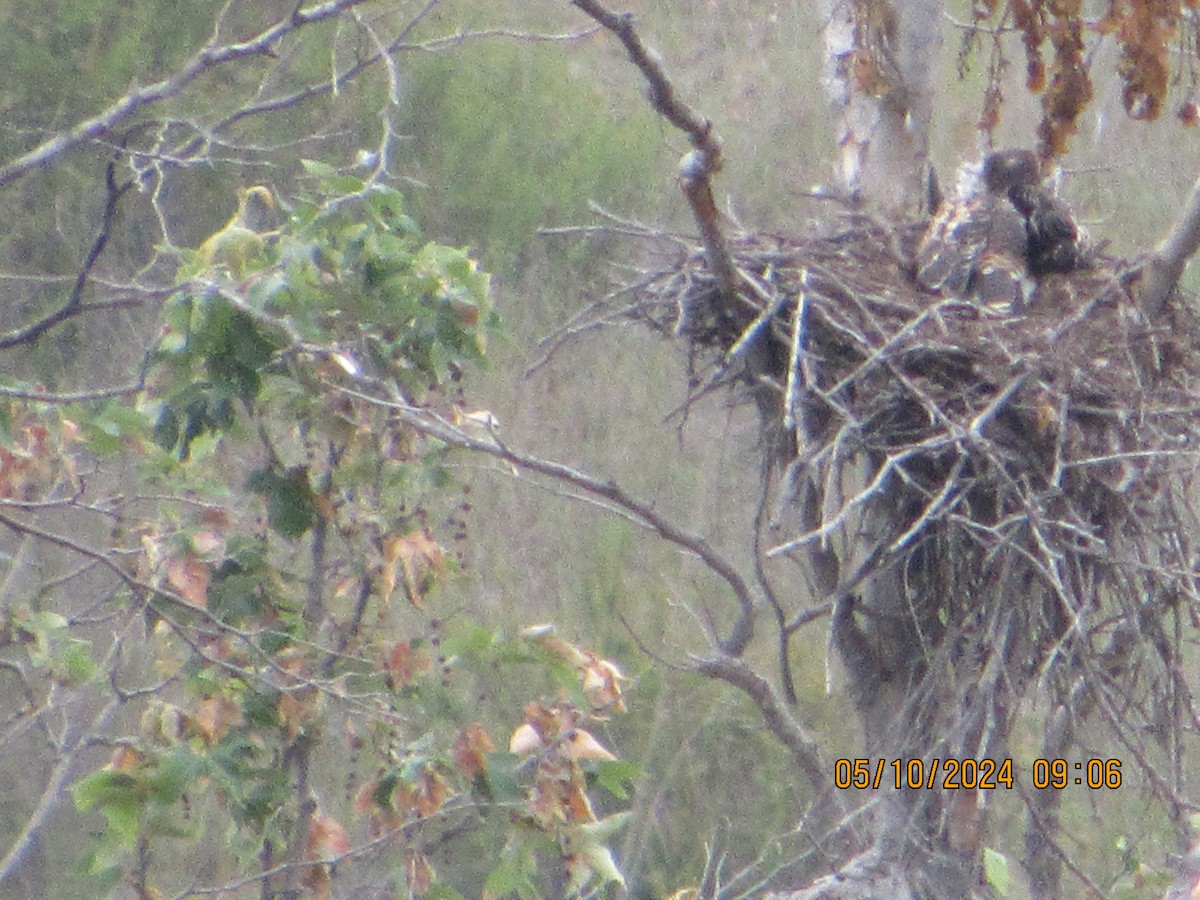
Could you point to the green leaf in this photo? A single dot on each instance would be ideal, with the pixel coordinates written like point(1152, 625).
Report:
point(45, 622)
point(252, 346)
point(175, 774)
point(105, 432)
point(617, 776)
point(467, 638)
point(261, 708)
point(567, 680)
point(209, 323)
point(343, 184)
point(514, 875)
point(442, 892)
point(503, 776)
point(995, 871)
point(195, 419)
point(75, 662)
point(103, 787)
point(382, 795)
point(317, 169)
point(601, 861)
point(600, 832)
point(105, 873)
point(178, 313)
point(291, 504)
point(161, 823)
point(267, 796)
point(166, 429)
point(123, 818)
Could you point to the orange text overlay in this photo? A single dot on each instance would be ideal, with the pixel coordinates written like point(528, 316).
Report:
point(973, 774)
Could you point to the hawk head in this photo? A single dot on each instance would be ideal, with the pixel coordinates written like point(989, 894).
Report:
point(1005, 170)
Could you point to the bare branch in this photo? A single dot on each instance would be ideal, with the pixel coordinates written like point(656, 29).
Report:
point(127, 390)
point(429, 424)
point(209, 57)
point(52, 792)
point(662, 92)
point(74, 305)
point(696, 168)
point(1163, 270)
point(781, 723)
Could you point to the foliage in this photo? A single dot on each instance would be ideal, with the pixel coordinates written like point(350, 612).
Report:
point(1058, 59)
point(260, 577)
point(292, 609)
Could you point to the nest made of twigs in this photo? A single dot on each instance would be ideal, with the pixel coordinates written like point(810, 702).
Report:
point(1077, 393)
point(1064, 432)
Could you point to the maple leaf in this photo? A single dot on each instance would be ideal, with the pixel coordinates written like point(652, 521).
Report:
point(124, 759)
point(208, 543)
point(405, 799)
point(294, 708)
point(546, 721)
point(214, 716)
point(432, 794)
point(418, 556)
point(579, 807)
point(601, 683)
point(418, 873)
point(381, 818)
point(582, 745)
point(327, 839)
point(189, 578)
point(525, 739)
point(547, 804)
point(404, 663)
point(318, 882)
point(470, 751)
point(546, 638)
point(165, 723)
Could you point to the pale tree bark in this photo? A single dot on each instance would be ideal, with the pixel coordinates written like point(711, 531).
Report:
point(1167, 263)
point(879, 73)
point(880, 58)
point(951, 566)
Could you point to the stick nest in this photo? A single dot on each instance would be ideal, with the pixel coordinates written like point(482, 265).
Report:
point(1066, 432)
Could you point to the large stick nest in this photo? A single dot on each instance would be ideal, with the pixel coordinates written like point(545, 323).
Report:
point(1066, 433)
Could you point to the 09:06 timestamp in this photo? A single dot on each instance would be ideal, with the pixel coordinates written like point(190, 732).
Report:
point(1092, 773)
point(970, 774)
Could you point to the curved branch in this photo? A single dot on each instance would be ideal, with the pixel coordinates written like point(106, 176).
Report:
point(784, 726)
point(74, 305)
point(208, 57)
point(1163, 270)
point(696, 168)
point(434, 426)
point(662, 93)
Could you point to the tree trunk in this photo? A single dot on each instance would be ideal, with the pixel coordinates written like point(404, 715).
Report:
point(880, 60)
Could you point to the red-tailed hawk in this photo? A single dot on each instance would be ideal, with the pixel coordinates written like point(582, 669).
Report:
point(1056, 243)
point(1001, 230)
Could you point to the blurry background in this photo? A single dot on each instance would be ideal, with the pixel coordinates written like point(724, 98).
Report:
point(501, 136)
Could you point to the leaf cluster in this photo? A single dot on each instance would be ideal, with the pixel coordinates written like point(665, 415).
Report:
point(1053, 34)
point(275, 630)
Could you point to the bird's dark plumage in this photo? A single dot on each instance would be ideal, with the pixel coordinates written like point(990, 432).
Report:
point(1001, 228)
point(1055, 241)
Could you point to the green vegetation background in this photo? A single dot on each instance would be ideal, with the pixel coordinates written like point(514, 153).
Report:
point(501, 137)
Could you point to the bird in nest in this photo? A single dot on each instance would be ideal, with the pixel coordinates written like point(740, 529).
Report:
point(1002, 230)
point(236, 246)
